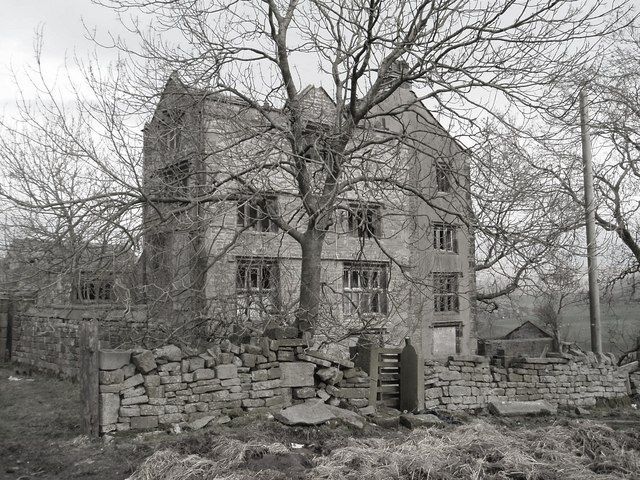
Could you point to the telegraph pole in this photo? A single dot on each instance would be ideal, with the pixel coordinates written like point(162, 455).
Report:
point(590, 218)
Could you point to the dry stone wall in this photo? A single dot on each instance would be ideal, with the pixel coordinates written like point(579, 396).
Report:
point(47, 338)
point(144, 389)
point(470, 382)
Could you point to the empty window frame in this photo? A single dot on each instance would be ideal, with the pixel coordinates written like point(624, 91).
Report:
point(175, 178)
point(446, 297)
point(253, 213)
point(170, 131)
point(95, 290)
point(364, 220)
point(445, 237)
point(257, 287)
point(364, 287)
point(443, 176)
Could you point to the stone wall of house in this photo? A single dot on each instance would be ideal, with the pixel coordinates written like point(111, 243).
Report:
point(47, 338)
point(470, 382)
point(150, 389)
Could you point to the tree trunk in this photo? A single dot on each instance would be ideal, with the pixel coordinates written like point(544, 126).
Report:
point(310, 282)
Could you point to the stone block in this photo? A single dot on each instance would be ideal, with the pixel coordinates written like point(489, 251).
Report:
point(304, 392)
point(144, 423)
point(170, 379)
point(133, 381)
point(312, 413)
point(286, 356)
point(152, 381)
point(259, 375)
point(152, 410)
point(510, 409)
point(169, 418)
point(135, 400)
point(133, 392)
point(110, 377)
point(196, 363)
point(266, 385)
point(226, 371)
point(109, 407)
point(130, 411)
point(225, 358)
point(144, 361)
point(170, 353)
point(173, 368)
point(248, 359)
point(113, 359)
point(297, 374)
point(348, 392)
point(204, 374)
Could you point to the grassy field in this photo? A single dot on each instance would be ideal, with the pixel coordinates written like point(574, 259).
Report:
point(39, 439)
point(620, 322)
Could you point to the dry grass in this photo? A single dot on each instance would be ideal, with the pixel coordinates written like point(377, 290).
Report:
point(480, 450)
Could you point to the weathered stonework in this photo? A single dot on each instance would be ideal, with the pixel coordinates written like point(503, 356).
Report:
point(470, 383)
point(238, 378)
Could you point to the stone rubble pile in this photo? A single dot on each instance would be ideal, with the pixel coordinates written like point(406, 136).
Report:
point(470, 382)
point(145, 389)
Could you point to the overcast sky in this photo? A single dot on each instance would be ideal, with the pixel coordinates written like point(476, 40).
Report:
point(64, 34)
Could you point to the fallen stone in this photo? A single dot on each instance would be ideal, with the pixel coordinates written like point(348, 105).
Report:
point(200, 423)
point(297, 374)
point(144, 361)
point(412, 421)
point(513, 409)
point(113, 359)
point(171, 353)
point(369, 410)
point(347, 416)
point(581, 411)
point(309, 413)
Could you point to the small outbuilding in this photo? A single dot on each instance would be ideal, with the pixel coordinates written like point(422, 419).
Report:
point(526, 340)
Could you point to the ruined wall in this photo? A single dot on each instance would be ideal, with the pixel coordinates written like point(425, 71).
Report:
point(147, 389)
point(470, 382)
point(47, 338)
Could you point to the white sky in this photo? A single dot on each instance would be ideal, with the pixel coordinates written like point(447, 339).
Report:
point(64, 35)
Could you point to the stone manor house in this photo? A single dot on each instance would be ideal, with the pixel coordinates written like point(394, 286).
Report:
point(396, 262)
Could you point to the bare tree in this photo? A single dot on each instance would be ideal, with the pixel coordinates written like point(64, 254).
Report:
point(557, 287)
point(461, 58)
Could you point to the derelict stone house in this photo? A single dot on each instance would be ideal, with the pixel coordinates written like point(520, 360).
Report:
point(396, 262)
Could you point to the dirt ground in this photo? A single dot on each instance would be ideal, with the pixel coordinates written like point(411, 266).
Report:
point(40, 437)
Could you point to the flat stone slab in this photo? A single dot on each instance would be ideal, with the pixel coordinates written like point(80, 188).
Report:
point(514, 409)
point(421, 420)
point(200, 423)
point(309, 413)
point(352, 418)
point(113, 359)
point(297, 374)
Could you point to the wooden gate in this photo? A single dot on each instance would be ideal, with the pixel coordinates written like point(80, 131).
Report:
point(384, 373)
